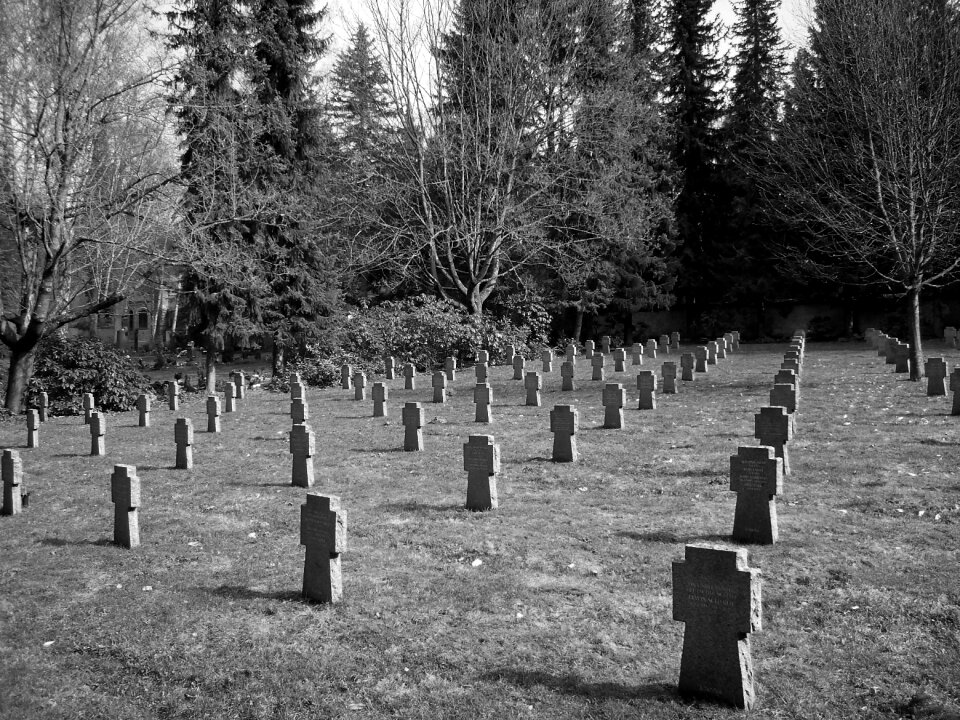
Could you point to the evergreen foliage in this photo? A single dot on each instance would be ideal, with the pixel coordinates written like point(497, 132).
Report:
point(359, 107)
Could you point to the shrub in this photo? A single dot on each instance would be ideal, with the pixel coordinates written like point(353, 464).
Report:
point(66, 368)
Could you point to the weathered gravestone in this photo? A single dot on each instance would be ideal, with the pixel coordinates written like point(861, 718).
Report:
point(664, 344)
point(43, 406)
point(784, 395)
point(412, 427)
point(669, 373)
point(605, 344)
point(651, 349)
point(636, 350)
point(345, 373)
point(389, 367)
point(647, 385)
point(955, 388)
point(686, 366)
point(571, 354)
point(483, 397)
point(483, 356)
point(303, 445)
point(936, 370)
point(295, 379)
point(409, 376)
point(33, 428)
point(519, 366)
point(213, 414)
point(717, 595)
point(596, 362)
point(481, 460)
point(773, 426)
point(589, 347)
point(546, 359)
point(949, 333)
point(173, 395)
point(701, 353)
point(11, 468)
point(564, 423)
point(619, 360)
point(88, 407)
point(323, 530)
point(98, 431)
point(143, 408)
point(728, 342)
point(510, 354)
point(756, 475)
point(359, 386)
point(712, 349)
point(229, 398)
point(450, 368)
point(183, 435)
point(721, 349)
point(790, 365)
point(675, 340)
point(481, 370)
point(736, 340)
point(786, 377)
point(614, 399)
point(240, 382)
point(439, 383)
point(533, 383)
point(566, 376)
point(381, 393)
point(125, 494)
point(298, 391)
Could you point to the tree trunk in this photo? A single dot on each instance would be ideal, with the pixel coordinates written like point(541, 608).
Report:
point(211, 366)
point(628, 326)
point(21, 370)
point(578, 324)
point(916, 345)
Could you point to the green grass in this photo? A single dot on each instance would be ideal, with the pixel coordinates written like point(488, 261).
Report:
point(569, 614)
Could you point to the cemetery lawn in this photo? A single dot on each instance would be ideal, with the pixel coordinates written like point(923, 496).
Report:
point(556, 605)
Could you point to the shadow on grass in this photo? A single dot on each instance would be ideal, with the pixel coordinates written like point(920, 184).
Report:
point(391, 449)
point(412, 506)
point(240, 592)
point(571, 684)
point(667, 537)
point(937, 443)
point(61, 542)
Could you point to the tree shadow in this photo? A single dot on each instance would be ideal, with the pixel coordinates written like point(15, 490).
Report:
point(241, 592)
point(670, 538)
point(936, 443)
point(419, 508)
point(61, 542)
point(572, 684)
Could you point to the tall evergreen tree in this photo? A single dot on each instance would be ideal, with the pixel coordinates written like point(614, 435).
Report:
point(358, 103)
point(756, 98)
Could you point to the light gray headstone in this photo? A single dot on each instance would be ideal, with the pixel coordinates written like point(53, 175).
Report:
point(303, 445)
point(125, 494)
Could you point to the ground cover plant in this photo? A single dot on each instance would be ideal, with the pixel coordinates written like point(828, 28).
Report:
point(556, 605)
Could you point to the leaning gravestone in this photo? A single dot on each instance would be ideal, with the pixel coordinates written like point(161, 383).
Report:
point(589, 347)
point(389, 366)
point(381, 393)
point(483, 397)
point(669, 373)
point(619, 360)
point(564, 423)
point(229, 398)
point(546, 358)
point(717, 595)
point(614, 398)
point(756, 475)
point(143, 407)
point(481, 460)
point(88, 407)
point(33, 428)
point(183, 435)
point(566, 376)
point(302, 446)
point(409, 376)
point(773, 426)
point(43, 406)
point(533, 384)
point(213, 414)
point(125, 494)
point(359, 386)
point(450, 368)
point(519, 366)
point(11, 468)
point(701, 354)
point(785, 396)
point(345, 372)
point(299, 411)
point(686, 366)
point(412, 427)
point(936, 370)
point(955, 389)
point(323, 530)
point(173, 395)
point(647, 385)
point(98, 431)
point(596, 363)
point(439, 387)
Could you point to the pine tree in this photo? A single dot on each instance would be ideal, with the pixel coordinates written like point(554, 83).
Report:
point(757, 94)
point(358, 103)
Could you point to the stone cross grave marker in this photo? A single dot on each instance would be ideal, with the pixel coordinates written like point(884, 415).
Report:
point(790, 365)
point(213, 414)
point(614, 398)
point(589, 347)
point(510, 353)
point(143, 407)
point(712, 352)
point(651, 349)
point(669, 373)
point(571, 354)
point(381, 393)
point(359, 386)
point(519, 366)
point(793, 354)
point(728, 341)
point(664, 344)
point(686, 366)
point(619, 360)
point(412, 427)
point(33, 428)
point(345, 374)
point(717, 595)
point(773, 426)
point(721, 349)
point(88, 407)
point(450, 368)
point(701, 353)
point(481, 460)
point(736, 340)
point(298, 391)
point(936, 370)
point(125, 494)
point(901, 357)
point(483, 397)
point(756, 475)
point(483, 356)
point(955, 388)
point(173, 395)
point(303, 445)
point(98, 431)
point(439, 387)
point(675, 340)
point(566, 376)
point(546, 358)
point(409, 376)
point(564, 423)
point(605, 344)
point(390, 366)
point(786, 377)
point(533, 384)
point(43, 406)
point(636, 350)
point(240, 380)
point(784, 395)
point(481, 370)
point(11, 468)
point(183, 435)
point(647, 385)
point(949, 332)
point(323, 530)
point(229, 398)
point(596, 363)
point(295, 379)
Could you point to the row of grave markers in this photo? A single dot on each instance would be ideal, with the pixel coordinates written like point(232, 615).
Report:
point(935, 369)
